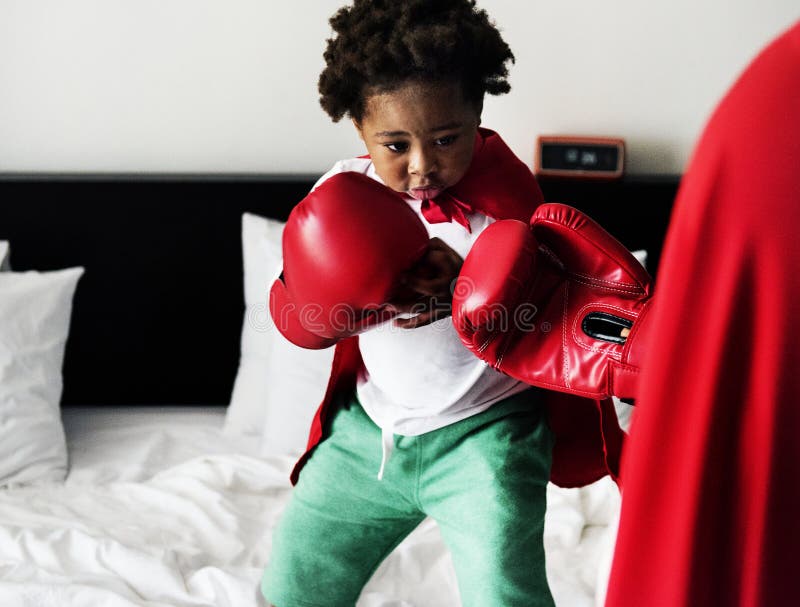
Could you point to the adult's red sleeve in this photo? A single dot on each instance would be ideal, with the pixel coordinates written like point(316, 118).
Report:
point(711, 473)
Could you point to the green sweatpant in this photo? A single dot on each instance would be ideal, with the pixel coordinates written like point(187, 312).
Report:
point(482, 479)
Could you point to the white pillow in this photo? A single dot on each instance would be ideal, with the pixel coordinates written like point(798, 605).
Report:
point(4, 265)
point(35, 312)
point(278, 386)
point(641, 257)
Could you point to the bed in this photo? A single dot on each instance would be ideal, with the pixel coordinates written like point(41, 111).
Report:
point(161, 463)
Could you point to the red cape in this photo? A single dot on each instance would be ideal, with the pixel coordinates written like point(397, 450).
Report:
point(588, 440)
point(711, 473)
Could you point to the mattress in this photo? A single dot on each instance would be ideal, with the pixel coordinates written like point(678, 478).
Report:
point(161, 509)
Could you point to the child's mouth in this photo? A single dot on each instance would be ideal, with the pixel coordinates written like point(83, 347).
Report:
point(425, 193)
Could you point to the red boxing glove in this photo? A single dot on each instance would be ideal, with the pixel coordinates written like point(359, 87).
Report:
point(560, 304)
point(344, 247)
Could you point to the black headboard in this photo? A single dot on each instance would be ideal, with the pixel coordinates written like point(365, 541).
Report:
point(157, 316)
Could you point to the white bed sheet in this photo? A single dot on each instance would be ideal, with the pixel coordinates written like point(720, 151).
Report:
point(160, 509)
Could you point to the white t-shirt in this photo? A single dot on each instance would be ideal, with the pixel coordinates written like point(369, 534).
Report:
point(422, 379)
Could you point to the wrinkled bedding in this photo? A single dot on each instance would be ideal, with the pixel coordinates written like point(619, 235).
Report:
point(159, 509)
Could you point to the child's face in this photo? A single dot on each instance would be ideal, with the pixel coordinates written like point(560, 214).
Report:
point(420, 136)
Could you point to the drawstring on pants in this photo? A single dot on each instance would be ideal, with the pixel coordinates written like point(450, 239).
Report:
point(387, 444)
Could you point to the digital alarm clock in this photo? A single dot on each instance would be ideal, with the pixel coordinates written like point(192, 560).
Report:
point(588, 157)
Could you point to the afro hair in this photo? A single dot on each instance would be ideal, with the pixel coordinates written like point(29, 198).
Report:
point(380, 44)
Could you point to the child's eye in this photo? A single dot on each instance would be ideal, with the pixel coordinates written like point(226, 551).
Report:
point(447, 140)
point(398, 147)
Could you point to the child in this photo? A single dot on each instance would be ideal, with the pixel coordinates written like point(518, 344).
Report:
point(413, 424)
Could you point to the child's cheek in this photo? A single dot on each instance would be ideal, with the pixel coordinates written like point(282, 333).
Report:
point(393, 173)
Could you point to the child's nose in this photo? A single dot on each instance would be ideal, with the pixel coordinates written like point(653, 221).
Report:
point(422, 162)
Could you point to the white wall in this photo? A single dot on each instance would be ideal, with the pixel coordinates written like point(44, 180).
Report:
point(230, 86)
